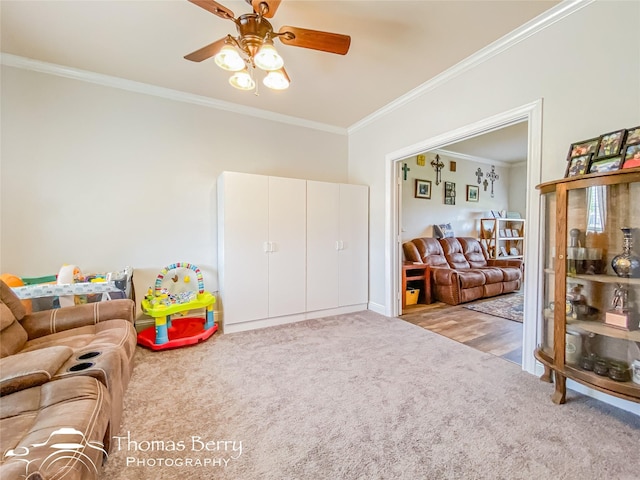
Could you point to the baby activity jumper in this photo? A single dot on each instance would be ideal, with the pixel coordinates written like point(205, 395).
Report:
point(163, 302)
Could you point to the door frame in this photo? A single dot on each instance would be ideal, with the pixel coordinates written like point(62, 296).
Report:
point(531, 113)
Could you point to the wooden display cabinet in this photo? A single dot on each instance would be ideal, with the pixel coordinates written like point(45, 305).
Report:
point(582, 292)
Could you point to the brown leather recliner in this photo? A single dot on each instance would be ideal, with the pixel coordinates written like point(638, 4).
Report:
point(71, 366)
point(460, 269)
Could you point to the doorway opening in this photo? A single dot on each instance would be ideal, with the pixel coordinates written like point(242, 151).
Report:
point(532, 115)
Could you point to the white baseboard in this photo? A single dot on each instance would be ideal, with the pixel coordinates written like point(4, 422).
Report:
point(272, 322)
point(376, 307)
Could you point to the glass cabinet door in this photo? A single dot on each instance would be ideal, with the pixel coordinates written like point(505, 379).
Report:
point(603, 285)
point(546, 335)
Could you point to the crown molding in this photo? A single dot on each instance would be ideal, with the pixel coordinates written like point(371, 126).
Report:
point(24, 63)
point(473, 158)
point(542, 21)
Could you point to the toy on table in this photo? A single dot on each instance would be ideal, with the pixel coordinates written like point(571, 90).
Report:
point(163, 302)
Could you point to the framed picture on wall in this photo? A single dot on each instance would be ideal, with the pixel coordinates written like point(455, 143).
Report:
point(449, 193)
point(423, 189)
point(473, 193)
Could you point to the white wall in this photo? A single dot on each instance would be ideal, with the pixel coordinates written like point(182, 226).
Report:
point(563, 65)
point(518, 189)
point(419, 214)
point(102, 178)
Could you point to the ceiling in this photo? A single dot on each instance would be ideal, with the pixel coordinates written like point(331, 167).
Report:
point(504, 146)
point(395, 46)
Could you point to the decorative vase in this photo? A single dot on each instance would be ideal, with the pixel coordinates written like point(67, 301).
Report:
point(626, 264)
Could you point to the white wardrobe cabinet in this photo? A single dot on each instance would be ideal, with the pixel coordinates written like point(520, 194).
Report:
point(289, 249)
point(337, 245)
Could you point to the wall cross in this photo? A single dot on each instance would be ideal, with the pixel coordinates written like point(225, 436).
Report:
point(405, 169)
point(479, 174)
point(438, 165)
point(492, 176)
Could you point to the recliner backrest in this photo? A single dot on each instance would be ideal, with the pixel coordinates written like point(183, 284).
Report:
point(428, 251)
point(453, 253)
point(473, 251)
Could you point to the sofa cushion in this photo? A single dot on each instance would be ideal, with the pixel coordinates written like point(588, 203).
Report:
point(473, 251)
point(30, 369)
point(430, 252)
point(493, 275)
point(471, 278)
point(12, 336)
point(67, 411)
point(444, 230)
point(511, 273)
point(453, 253)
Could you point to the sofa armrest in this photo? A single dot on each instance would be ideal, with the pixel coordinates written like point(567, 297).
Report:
point(513, 262)
point(31, 369)
point(46, 322)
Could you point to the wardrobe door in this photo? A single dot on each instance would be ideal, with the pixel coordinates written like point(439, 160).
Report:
point(287, 246)
point(243, 236)
point(354, 245)
point(322, 245)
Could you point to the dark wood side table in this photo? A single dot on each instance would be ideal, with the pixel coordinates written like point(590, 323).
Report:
point(416, 271)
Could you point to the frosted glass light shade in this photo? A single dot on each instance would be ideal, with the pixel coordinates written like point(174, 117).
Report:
point(229, 59)
point(277, 80)
point(242, 80)
point(268, 58)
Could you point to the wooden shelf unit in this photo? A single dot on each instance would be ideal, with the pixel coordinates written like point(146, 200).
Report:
point(496, 233)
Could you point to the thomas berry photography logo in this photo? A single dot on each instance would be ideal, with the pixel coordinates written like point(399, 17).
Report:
point(194, 451)
point(65, 444)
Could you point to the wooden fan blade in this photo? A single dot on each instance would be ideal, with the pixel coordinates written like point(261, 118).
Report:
point(271, 7)
point(215, 8)
point(206, 52)
point(315, 40)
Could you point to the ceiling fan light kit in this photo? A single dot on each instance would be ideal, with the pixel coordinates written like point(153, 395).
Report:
point(254, 45)
point(242, 80)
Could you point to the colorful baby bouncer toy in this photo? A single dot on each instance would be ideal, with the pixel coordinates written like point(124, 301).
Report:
point(163, 302)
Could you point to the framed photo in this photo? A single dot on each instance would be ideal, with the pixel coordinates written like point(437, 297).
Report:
point(608, 164)
point(503, 252)
point(449, 193)
point(633, 135)
point(473, 193)
point(515, 233)
point(507, 233)
point(610, 144)
point(514, 251)
point(513, 215)
point(502, 233)
point(496, 214)
point(584, 147)
point(632, 156)
point(423, 189)
point(578, 166)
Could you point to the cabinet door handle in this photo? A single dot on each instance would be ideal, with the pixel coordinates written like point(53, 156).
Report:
point(267, 247)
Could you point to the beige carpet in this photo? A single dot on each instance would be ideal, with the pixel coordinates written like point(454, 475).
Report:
point(358, 396)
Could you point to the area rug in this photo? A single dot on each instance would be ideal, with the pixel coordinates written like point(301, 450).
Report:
point(509, 306)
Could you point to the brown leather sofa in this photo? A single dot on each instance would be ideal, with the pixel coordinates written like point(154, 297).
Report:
point(461, 270)
point(63, 374)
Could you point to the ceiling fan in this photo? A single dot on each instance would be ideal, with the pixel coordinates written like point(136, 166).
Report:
point(253, 47)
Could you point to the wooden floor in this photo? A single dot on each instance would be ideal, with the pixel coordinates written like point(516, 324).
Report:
point(483, 332)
